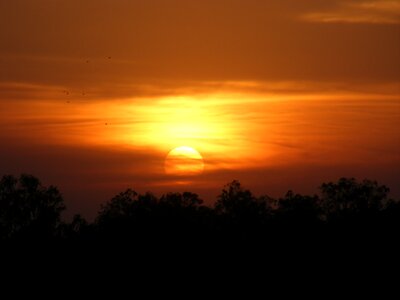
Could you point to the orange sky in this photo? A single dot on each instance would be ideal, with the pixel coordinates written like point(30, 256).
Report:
point(279, 94)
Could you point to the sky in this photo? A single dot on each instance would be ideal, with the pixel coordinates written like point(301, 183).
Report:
point(279, 94)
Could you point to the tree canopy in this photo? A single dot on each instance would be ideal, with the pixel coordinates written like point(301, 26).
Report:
point(29, 210)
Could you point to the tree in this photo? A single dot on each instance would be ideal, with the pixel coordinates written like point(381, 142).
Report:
point(238, 202)
point(117, 216)
point(241, 215)
point(28, 209)
point(78, 229)
point(119, 206)
point(348, 198)
point(184, 200)
point(130, 216)
point(298, 209)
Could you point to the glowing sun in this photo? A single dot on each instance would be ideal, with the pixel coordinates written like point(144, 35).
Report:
point(184, 161)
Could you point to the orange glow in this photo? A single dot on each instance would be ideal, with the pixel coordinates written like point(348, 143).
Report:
point(231, 129)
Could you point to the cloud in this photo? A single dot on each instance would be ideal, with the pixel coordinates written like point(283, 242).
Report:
point(145, 90)
point(372, 12)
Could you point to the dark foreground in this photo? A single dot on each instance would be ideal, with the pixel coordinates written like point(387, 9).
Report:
point(344, 213)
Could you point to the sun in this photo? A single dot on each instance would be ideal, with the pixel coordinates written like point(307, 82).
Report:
point(184, 161)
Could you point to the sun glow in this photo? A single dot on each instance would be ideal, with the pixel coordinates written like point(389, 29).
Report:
point(184, 161)
point(210, 124)
point(232, 130)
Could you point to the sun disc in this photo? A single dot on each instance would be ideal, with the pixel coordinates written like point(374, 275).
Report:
point(184, 161)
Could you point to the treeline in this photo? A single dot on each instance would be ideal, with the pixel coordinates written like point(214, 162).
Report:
point(346, 209)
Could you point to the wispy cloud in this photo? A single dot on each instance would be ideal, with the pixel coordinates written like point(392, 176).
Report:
point(373, 12)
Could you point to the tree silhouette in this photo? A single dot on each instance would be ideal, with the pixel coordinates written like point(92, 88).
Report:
point(28, 209)
point(174, 215)
point(348, 198)
point(238, 202)
point(116, 217)
point(78, 230)
point(118, 207)
point(241, 214)
point(390, 218)
point(346, 211)
point(184, 200)
point(298, 209)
